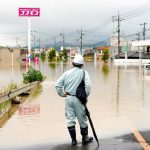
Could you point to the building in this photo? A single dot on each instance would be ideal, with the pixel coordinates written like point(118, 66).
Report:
point(7, 55)
point(99, 51)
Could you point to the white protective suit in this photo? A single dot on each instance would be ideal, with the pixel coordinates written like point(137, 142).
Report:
point(69, 82)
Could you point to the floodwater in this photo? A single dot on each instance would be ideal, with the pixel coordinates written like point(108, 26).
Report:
point(119, 102)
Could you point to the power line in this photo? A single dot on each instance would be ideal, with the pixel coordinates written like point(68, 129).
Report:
point(138, 11)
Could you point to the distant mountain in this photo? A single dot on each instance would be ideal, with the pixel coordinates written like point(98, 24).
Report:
point(58, 45)
point(102, 43)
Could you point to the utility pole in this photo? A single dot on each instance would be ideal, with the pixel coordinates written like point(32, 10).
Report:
point(17, 41)
point(34, 32)
point(39, 43)
point(144, 32)
point(63, 39)
point(34, 40)
point(118, 19)
point(81, 40)
point(144, 29)
point(138, 38)
point(54, 40)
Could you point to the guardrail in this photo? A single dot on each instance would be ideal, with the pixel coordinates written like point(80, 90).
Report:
point(16, 92)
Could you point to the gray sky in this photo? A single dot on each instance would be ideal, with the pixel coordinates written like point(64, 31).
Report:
point(68, 16)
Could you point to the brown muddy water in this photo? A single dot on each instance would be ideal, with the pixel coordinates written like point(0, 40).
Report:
point(119, 102)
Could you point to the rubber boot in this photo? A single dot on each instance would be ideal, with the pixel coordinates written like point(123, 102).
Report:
point(85, 138)
point(72, 132)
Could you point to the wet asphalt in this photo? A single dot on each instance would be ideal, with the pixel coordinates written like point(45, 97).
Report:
point(124, 142)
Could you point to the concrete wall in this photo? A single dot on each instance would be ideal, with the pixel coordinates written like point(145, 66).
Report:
point(6, 57)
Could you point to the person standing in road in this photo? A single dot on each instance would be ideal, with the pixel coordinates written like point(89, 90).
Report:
point(66, 87)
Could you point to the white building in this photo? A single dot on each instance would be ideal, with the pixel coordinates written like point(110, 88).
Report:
point(114, 44)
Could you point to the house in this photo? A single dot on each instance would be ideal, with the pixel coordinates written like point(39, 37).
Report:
point(99, 51)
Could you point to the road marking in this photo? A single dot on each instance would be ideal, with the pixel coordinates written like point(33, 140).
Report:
point(141, 140)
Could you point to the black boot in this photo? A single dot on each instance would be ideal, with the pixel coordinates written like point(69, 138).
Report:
point(85, 138)
point(72, 132)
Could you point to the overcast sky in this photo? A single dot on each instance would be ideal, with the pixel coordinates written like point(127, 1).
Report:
point(68, 16)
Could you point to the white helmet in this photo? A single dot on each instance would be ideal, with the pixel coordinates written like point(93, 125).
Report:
point(78, 59)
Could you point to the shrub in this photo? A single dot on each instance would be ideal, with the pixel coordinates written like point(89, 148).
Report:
point(32, 75)
point(11, 86)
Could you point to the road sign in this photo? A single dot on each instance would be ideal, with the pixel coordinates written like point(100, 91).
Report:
point(29, 12)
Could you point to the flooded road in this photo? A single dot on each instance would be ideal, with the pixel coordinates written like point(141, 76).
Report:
point(119, 102)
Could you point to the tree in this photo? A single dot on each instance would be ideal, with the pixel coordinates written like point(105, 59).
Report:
point(43, 56)
point(65, 54)
point(52, 54)
point(105, 55)
point(60, 56)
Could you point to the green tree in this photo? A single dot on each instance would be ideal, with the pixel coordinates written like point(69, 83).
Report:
point(60, 56)
point(65, 54)
point(36, 55)
point(106, 55)
point(43, 56)
point(51, 55)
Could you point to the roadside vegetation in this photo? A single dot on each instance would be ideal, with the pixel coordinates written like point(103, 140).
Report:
point(32, 75)
point(10, 87)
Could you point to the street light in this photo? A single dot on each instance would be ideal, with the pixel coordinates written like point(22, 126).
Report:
point(34, 36)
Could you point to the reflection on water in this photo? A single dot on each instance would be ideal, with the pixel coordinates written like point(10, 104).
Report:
point(4, 107)
point(105, 69)
point(43, 59)
point(36, 91)
point(117, 105)
point(6, 111)
point(29, 109)
point(52, 65)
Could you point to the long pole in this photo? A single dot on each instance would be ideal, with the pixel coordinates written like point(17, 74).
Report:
point(144, 29)
point(118, 35)
point(63, 40)
point(91, 123)
point(12, 67)
point(118, 19)
point(138, 38)
point(144, 33)
point(29, 40)
point(81, 41)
